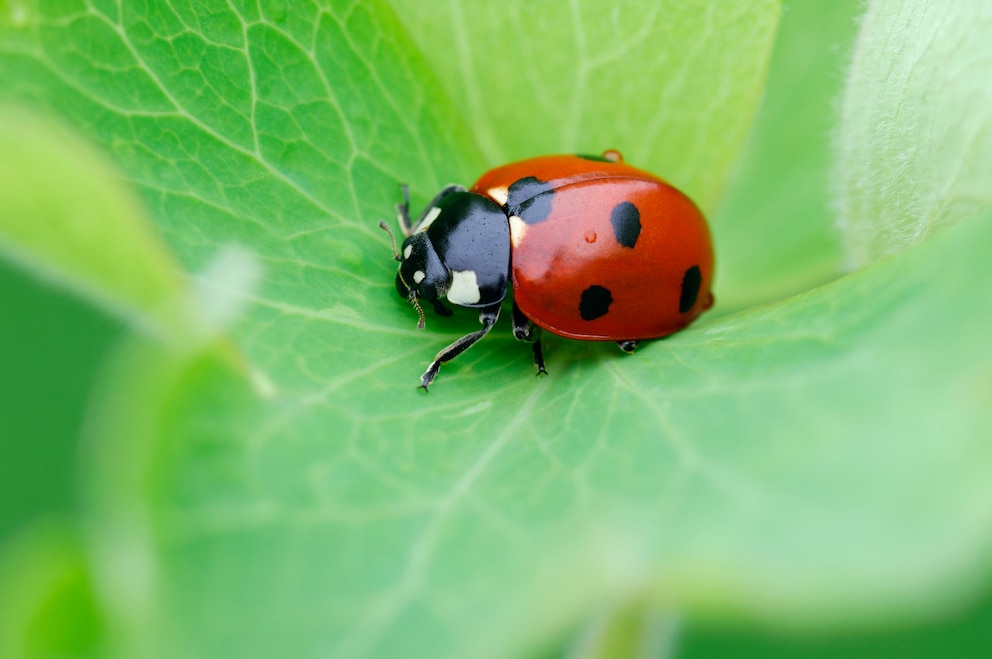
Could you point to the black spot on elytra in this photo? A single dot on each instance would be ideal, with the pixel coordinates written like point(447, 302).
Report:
point(626, 221)
point(690, 288)
point(595, 302)
point(529, 199)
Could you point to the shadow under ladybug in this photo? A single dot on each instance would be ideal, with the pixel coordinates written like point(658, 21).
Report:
point(594, 249)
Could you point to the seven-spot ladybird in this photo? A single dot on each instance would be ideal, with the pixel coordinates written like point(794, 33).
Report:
point(595, 249)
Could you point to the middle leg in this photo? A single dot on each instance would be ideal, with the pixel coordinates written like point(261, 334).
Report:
point(524, 330)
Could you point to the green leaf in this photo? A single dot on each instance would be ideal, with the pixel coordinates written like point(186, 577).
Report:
point(775, 230)
point(792, 463)
point(64, 217)
point(780, 464)
point(646, 78)
point(915, 145)
point(285, 132)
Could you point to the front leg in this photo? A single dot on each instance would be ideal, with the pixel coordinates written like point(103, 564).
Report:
point(487, 316)
point(403, 209)
point(524, 330)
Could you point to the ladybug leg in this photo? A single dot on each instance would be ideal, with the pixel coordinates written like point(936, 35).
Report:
point(440, 309)
point(524, 330)
point(403, 208)
point(628, 345)
point(487, 316)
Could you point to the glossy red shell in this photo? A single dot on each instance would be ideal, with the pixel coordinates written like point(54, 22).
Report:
point(556, 261)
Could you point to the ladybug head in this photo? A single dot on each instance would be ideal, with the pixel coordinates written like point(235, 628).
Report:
point(422, 275)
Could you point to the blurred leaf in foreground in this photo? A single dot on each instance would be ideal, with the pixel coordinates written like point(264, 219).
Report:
point(63, 217)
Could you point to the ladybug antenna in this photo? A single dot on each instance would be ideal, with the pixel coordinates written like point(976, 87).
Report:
point(420, 312)
point(392, 240)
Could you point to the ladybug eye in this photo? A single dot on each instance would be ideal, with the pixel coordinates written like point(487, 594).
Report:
point(421, 270)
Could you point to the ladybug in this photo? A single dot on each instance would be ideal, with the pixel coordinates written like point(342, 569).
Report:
point(595, 249)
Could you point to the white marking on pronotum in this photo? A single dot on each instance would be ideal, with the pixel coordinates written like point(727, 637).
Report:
point(428, 219)
point(418, 276)
point(407, 251)
point(518, 229)
point(499, 194)
point(464, 288)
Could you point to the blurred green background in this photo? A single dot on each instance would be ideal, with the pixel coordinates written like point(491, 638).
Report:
point(50, 358)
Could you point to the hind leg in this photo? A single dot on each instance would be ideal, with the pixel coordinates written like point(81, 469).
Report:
point(524, 330)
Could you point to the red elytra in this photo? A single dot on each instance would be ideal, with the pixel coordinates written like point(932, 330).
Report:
point(576, 246)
